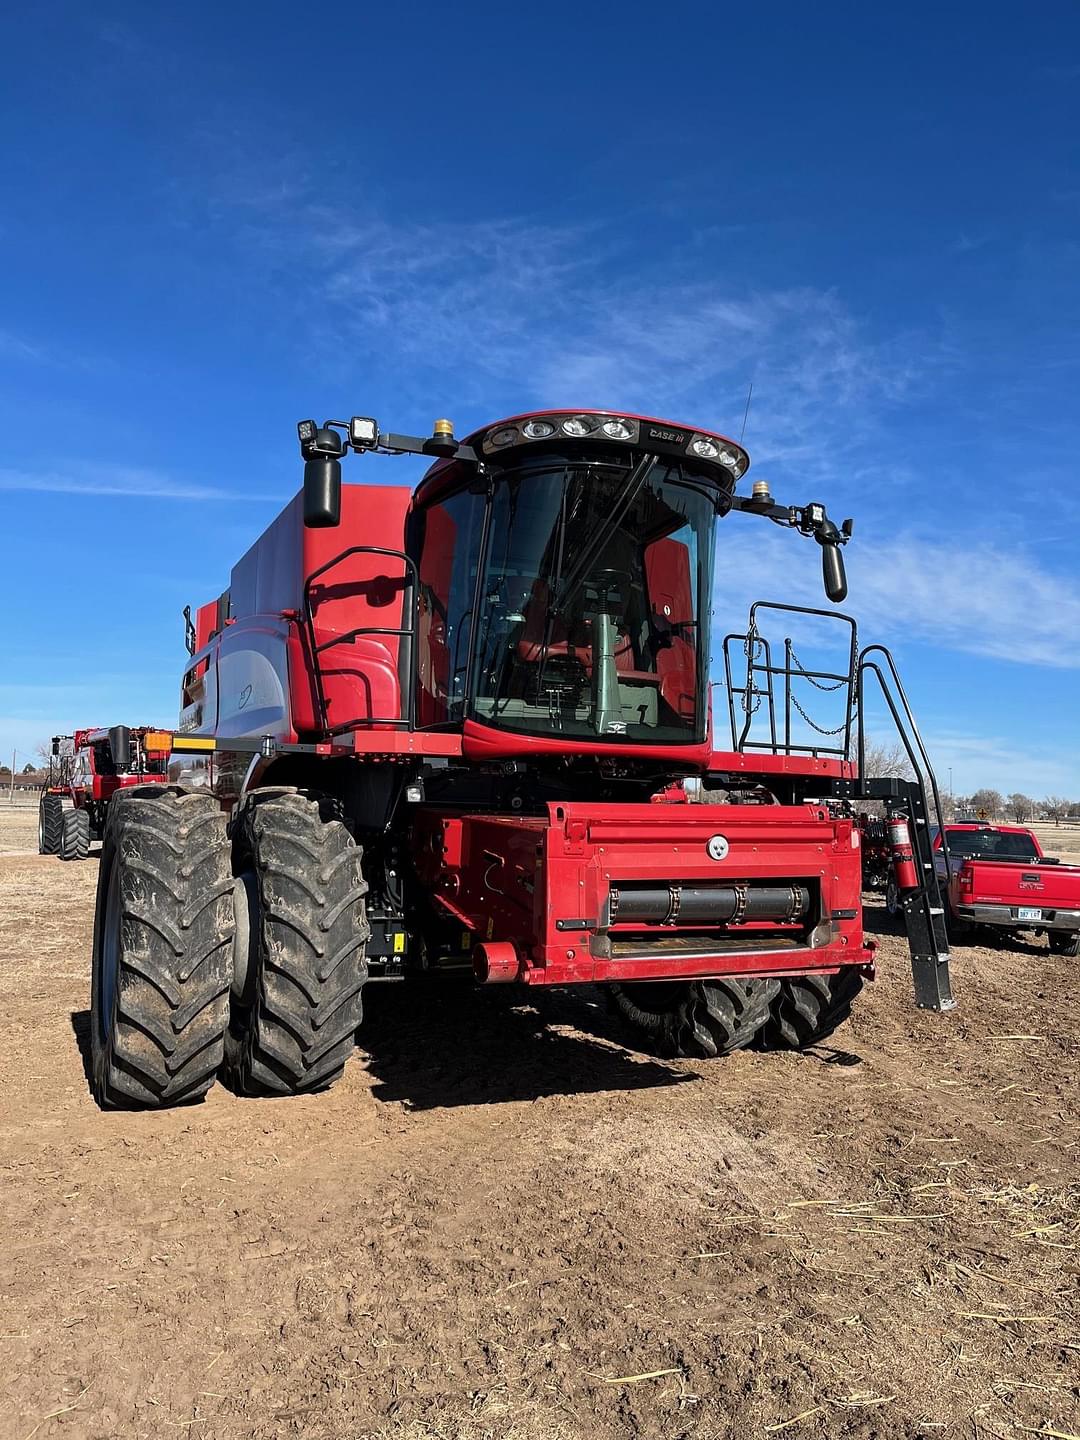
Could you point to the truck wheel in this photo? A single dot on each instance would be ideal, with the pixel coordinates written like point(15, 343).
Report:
point(163, 935)
point(893, 908)
point(50, 824)
point(700, 1019)
point(75, 835)
point(1062, 943)
point(302, 928)
point(808, 1009)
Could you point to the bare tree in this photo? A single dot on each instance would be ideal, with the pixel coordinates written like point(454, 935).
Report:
point(1055, 807)
point(989, 800)
point(1021, 807)
point(883, 760)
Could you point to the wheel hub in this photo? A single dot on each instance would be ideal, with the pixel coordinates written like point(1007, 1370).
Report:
point(245, 912)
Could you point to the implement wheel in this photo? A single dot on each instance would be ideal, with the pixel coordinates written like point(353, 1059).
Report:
point(50, 824)
point(697, 1019)
point(808, 1010)
point(75, 835)
point(163, 933)
point(302, 936)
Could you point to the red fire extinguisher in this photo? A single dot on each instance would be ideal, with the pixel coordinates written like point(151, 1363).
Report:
point(907, 877)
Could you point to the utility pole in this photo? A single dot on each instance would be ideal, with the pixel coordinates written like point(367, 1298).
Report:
point(11, 792)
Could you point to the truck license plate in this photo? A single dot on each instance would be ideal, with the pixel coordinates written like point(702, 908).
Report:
point(1023, 914)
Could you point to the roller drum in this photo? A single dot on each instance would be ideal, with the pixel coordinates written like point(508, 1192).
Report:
point(708, 904)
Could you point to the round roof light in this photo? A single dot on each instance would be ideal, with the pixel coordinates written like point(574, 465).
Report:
point(730, 460)
point(706, 448)
point(578, 425)
point(537, 429)
point(617, 430)
point(506, 436)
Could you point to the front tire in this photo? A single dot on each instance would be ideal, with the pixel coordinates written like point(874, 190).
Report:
point(808, 1009)
point(162, 963)
point(301, 890)
point(699, 1019)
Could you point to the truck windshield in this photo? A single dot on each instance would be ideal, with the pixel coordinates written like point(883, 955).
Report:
point(593, 601)
point(991, 845)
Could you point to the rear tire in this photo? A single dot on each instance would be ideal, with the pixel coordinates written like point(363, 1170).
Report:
point(293, 1020)
point(50, 824)
point(163, 935)
point(698, 1019)
point(807, 1010)
point(75, 835)
point(1062, 943)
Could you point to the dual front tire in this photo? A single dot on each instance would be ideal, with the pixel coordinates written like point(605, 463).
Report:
point(224, 950)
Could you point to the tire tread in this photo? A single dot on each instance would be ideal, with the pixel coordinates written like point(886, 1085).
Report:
point(166, 1037)
point(809, 1009)
point(308, 949)
point(703, 1020)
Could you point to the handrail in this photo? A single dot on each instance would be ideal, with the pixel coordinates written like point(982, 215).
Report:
point(406, 667)
point(791, 670)
point(923, 754)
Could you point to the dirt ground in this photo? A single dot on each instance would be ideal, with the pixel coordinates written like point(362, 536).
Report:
point(506, 1223)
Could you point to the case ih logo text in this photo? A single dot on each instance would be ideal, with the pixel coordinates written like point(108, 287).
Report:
point(672, 437)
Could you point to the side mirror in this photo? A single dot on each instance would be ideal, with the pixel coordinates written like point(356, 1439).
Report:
point(322, 453)
point(832, 572)
point(322, 494)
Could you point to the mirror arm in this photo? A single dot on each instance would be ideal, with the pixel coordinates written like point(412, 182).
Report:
point(808, 520)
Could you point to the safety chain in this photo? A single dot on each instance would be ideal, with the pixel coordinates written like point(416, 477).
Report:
point(751, 703)
point(808, 676)
point(820, 728)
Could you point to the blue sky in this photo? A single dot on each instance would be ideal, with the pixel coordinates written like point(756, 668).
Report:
point(219, 219)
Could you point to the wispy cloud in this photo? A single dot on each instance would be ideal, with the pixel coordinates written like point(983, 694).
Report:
point(978, 760)
point(17, 348)
point(981, 599)
point(572, 314)
point(119, 480)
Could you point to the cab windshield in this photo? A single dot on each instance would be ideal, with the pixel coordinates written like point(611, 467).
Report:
point(593, 600)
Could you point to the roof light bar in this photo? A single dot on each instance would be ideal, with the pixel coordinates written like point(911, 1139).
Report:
point(627, 430)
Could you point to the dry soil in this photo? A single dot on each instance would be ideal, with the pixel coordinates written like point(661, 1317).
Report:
point(507, 1222)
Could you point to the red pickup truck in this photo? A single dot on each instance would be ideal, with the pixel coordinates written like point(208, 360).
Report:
point(998, 876)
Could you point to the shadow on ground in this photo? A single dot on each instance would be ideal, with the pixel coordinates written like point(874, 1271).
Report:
point(435, 1045)
point(80, 1025)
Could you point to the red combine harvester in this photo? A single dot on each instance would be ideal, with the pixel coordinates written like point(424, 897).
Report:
point(85, 771)
point(427, 729)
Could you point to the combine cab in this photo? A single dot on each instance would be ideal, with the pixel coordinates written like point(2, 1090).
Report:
point(466, 727)
point(85, 771)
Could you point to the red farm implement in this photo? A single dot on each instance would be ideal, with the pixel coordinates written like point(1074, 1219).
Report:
point(466, 726)
point(85, 771)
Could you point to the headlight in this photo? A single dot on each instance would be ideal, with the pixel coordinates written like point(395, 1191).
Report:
point(363, 432)
point(537, 429)
point(706, 448)
point(733, 462)
point(617, 430)
point(579, 425)
point(506, 436)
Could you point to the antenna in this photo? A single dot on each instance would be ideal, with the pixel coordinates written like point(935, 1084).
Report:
point(746, 412)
